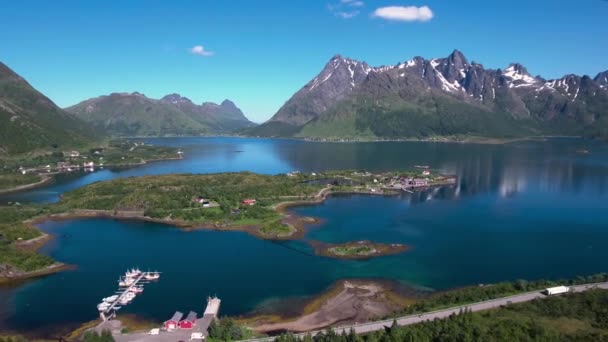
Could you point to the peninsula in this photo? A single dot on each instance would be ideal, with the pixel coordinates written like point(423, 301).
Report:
point(248, 202)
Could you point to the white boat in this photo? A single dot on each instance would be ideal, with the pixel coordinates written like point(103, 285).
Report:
point(126, 299)
point(103, 306)
point(136, 289)
point(152, 276)
point(126, 281)
point(133, 272)
point(110, 299)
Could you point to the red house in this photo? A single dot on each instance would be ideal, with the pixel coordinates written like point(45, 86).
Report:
point(173, 323)
point(189, 322)
point(248, 201)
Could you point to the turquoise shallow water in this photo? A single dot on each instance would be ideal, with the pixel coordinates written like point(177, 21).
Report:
point(525, 210)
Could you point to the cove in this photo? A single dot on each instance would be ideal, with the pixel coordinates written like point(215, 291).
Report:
point(456, 242)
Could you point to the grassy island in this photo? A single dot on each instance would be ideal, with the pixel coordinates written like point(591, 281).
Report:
point(358, 250)
point(244, 201)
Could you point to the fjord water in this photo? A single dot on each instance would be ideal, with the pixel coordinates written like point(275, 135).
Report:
point(525, 210)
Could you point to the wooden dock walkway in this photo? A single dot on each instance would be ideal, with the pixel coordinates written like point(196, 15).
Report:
point(110, 311)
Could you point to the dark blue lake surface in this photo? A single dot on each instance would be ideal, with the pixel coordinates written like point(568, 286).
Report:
point(522, 210)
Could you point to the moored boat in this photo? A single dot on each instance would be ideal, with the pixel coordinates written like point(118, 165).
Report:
point(152, 276)
point(136, 289)
point(126, 281)
point(134, 272)
point(110, 299)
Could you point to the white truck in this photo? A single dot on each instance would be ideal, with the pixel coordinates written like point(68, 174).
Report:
point(551, 291)
point(197, 336)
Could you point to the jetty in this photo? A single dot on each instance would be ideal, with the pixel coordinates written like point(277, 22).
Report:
point(126, 294)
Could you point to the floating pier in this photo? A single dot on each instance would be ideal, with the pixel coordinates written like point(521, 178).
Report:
point(126, 291)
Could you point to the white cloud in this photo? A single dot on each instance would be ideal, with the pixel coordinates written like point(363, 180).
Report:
point(346, 8)
point(353, 3)
point(200, 50)
point(404, 13)
point(347, 15)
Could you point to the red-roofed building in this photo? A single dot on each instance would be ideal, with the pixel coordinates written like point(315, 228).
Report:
point(189, 322)
point(173, 323)
point(248, 201)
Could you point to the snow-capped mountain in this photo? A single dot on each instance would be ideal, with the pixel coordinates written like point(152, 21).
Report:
point(451, 92)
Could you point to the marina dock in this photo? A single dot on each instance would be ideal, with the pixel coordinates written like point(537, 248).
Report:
point(122, 295)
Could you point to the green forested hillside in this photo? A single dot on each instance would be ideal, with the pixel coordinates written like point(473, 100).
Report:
point(574, 317)
point(134, 114)
point(30, 121)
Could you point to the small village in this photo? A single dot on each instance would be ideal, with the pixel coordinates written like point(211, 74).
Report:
point(116, 154)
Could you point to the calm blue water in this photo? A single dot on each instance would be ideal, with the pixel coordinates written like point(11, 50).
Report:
point(524, 210)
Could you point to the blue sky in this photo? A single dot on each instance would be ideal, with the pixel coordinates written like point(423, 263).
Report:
point(258, 53)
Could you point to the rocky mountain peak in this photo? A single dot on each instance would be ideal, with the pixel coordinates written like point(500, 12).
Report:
point(602, 79)
point(174, 99)
point(516, 69)
point(457, 59)
point(228, 104)
point(518, 76)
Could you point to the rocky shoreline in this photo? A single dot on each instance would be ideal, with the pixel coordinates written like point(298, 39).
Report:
point(346, 301)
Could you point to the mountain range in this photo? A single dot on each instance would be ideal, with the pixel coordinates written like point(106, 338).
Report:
point(29, 121)
point(134, 114)
point(451, 96)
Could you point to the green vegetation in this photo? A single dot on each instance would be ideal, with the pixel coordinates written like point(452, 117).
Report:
point(29, 121)
point(276, 229)
point(475, 294)
point(352, 250)
point(117, 152)
point(169, 116)
point(434, 116)
point(357, 250)
point(226, 329)
point(16, 232)
point(573, 317)
point(13, 180)
point(11, 231)
point(172, 196)
point(23, 260)
point(93, 336)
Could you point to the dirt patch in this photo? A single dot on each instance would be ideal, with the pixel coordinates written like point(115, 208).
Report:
point(349, 301)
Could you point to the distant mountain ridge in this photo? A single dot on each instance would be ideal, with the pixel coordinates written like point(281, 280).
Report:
point(30, 121)
point(134, 114)
point(441, 96)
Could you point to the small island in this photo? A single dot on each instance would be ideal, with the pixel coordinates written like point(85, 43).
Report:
point(357, 250)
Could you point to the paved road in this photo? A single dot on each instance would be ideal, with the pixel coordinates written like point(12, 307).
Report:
point(441, 314)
